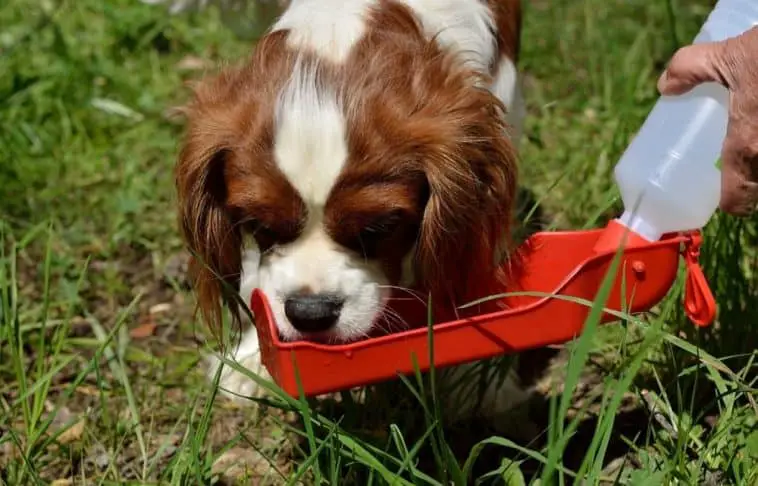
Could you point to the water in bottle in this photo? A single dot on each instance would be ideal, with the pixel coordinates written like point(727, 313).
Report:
point(668, 176)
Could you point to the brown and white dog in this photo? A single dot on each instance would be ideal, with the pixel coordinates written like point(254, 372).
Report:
point(366, 145)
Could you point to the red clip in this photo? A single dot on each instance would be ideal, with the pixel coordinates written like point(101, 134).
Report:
point(699, 303)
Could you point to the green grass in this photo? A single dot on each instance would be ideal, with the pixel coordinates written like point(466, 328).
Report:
point(100, 356)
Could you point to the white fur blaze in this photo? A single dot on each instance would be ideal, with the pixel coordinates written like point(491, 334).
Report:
point(310, 144)
point(310, 148)
point(330, 28)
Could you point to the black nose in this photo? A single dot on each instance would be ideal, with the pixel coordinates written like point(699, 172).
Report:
point(313, 312)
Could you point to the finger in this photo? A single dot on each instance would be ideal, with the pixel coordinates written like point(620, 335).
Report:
point(739, 195)
point(691, 66)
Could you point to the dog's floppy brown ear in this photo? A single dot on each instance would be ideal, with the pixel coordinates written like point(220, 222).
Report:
point(472, 185)
point(208, 228)
point(222, 120)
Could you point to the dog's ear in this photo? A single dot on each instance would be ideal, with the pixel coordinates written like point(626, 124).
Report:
point(208, 228)
point(228, 113)
point(471, 172)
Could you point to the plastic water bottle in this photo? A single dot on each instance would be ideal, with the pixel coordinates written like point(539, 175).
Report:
point(668, 177)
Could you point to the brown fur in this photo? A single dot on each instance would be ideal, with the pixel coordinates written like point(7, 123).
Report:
point(429, 162)
point(507, 14)
point(415, 111)
point(228, 143)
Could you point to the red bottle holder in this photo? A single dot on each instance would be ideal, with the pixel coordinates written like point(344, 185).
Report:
point(571, 264)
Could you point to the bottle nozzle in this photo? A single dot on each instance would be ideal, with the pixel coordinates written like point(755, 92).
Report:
point(617, 234)
point(640, 226)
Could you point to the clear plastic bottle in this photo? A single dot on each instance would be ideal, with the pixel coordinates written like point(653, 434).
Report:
point(668, 176)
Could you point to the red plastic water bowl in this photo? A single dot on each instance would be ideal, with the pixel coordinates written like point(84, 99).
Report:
point(570, 264)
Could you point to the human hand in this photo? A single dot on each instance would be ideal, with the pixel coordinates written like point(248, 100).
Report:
point(734, 64)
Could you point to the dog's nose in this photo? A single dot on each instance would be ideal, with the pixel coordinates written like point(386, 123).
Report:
point(313, 312)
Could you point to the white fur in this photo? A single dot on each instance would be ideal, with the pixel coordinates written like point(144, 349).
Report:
point(310, 145)
point(311, 149)
point(316, 262)
point(251, 262)
point(461, 26)
point(247, 354)
point(506, 85)
point(328, 27)
point(331, 28)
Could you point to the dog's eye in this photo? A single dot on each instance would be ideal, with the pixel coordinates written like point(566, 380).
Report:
point(261, 230)
point(267, 237)
point(378, 230)
point(381, 226)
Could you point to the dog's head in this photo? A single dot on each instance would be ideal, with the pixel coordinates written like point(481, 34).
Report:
point(335, 182)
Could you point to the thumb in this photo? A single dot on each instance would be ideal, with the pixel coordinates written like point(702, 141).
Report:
point(691, 66)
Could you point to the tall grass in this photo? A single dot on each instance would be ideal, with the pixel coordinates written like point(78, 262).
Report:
point(87, 232)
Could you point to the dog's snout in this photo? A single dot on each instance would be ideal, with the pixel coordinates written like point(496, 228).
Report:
point(313, 312)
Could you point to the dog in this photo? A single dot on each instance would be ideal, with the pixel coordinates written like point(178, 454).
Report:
point(365, 146)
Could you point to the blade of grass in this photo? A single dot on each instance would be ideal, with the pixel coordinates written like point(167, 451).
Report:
point(594, 458)
point(508, 444)
point(118, 368)
point(580, 354)
point(305, 412)
point(313, 457)
point(38, 399)
point(684, 345)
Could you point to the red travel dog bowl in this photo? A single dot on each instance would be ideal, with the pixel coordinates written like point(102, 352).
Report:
point(571, 263)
